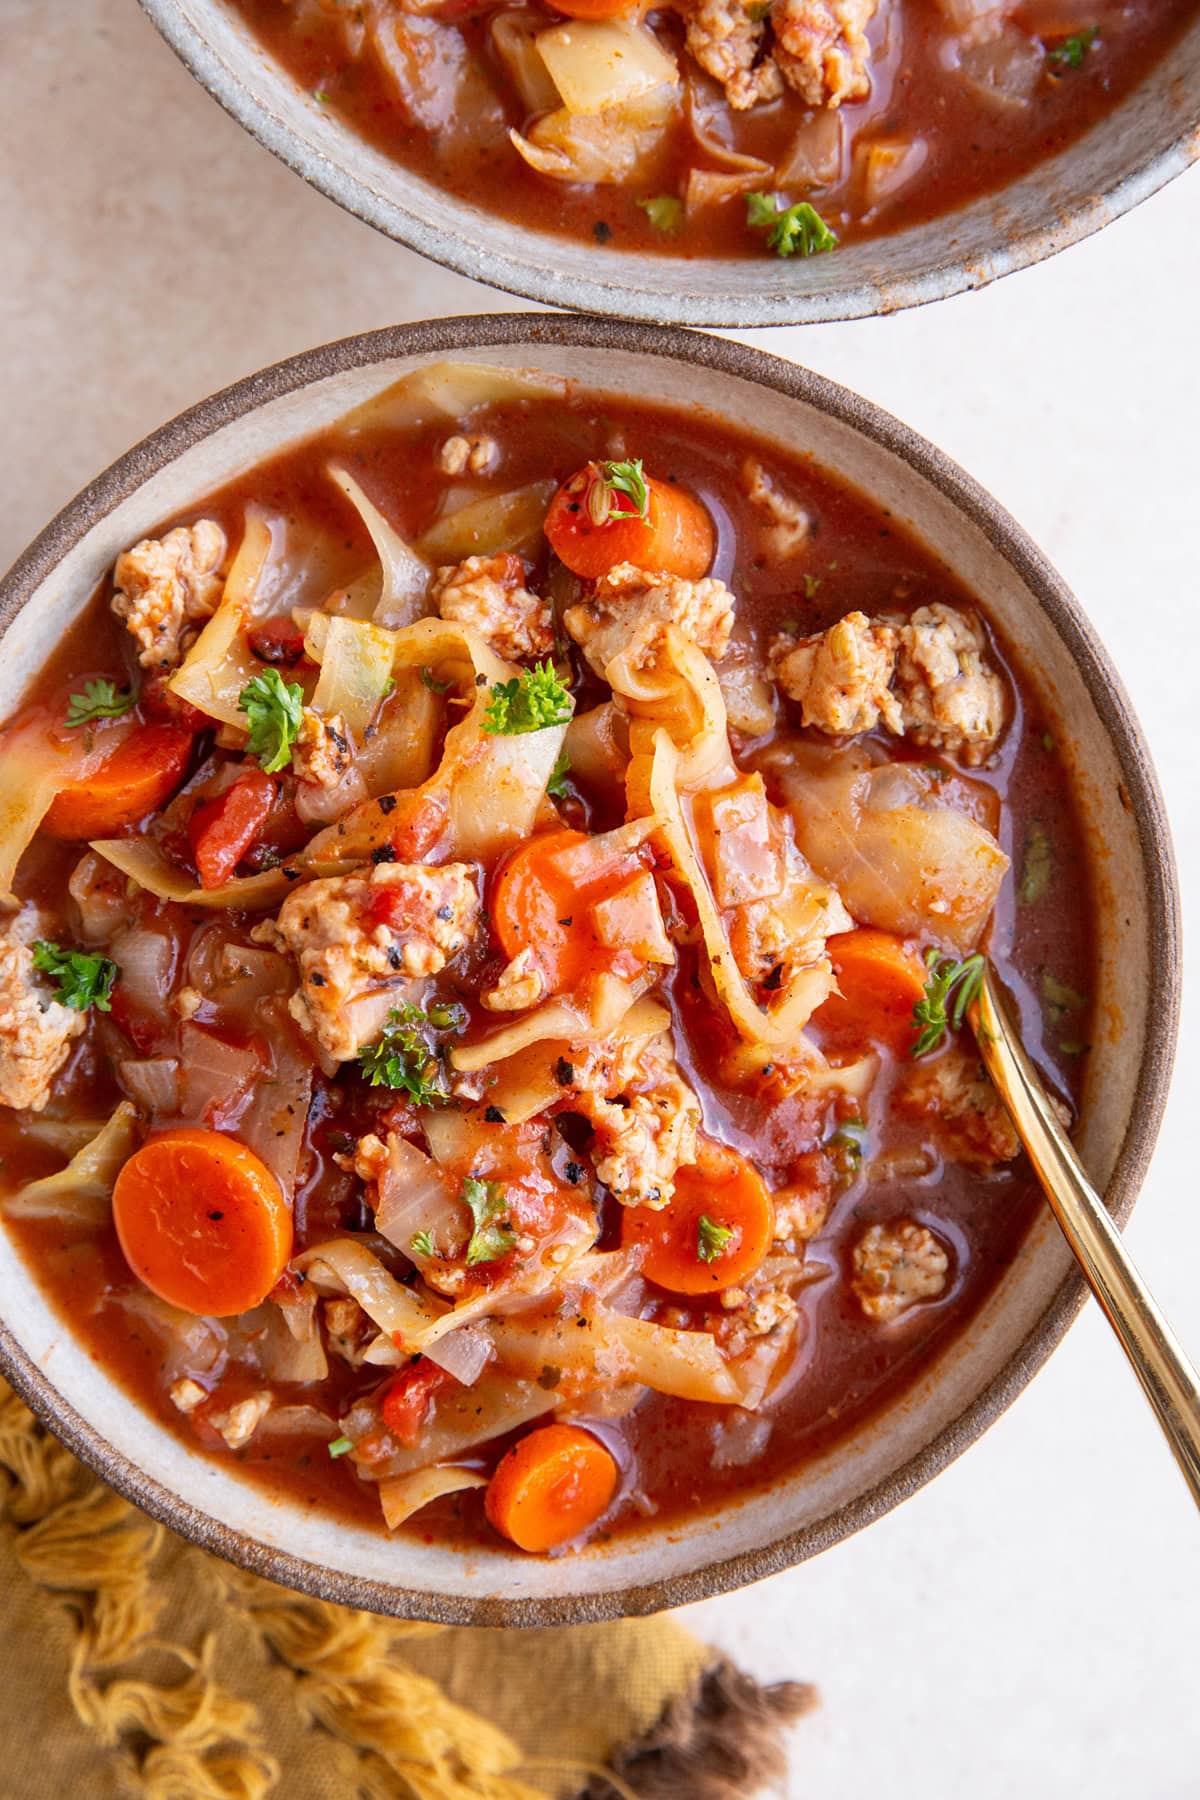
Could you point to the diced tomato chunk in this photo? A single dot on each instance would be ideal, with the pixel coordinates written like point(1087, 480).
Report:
point(222, 830)
point(408, 1400)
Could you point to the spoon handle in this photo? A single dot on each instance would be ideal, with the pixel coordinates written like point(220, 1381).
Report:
point(1169, 1379)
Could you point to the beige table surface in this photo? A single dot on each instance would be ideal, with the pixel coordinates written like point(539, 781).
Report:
point(1027, 1625)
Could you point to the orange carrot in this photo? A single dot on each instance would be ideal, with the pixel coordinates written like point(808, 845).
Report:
point(881, 979)
point(142, 771)
point(716, 1230)
point(550, 1487)
point(591, 526)
point(202, 1221)
point(536, 906)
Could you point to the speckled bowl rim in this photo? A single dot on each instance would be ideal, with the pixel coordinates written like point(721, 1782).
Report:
point(527, 272)
point(437, 338)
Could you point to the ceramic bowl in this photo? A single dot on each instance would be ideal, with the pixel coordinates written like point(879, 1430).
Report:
point(1150, 137)
point(892, 1454)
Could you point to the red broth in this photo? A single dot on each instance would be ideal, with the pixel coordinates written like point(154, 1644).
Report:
point(962, 101)
point(835, 1364)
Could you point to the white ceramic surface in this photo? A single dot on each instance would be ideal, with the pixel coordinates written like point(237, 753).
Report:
point(1150, 137)
point(888, 1458)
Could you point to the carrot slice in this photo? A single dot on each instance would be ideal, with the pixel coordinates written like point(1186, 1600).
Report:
point(535, 906)
point(142, 771)
point(675, 537)
point(716, 1230)
point(881, 978)
point(550, 1487)
point(202, 1221)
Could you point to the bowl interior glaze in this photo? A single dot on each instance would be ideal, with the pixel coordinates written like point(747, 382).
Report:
point(1150, 137)
point(983, 1369)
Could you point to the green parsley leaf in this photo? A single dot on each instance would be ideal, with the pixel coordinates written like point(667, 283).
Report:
point(340, 1446)
point(556, 787)
point(811, 584)
point(761, 210)
point(619, 479)
point(797, 230)
point(428, 680)
point(1037, 867)
point(1071, 52)
point(421, 1243)
point(321, 96)
point(99, 700)
point(83, 981)
point(712, 1240)
point(273, 708)
point(404, 1058)
point(491, 1238)
point(664, 212)
point(1060, 999)
point(949, 991)
point(847, 1145)
point(1072, 1046)
point(529, 702)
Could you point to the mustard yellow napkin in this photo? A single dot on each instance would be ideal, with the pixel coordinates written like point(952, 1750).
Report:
point(132, 1664)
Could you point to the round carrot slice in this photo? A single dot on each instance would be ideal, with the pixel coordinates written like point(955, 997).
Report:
point(881, 978)
point(202, 1221)
point(675, 536)
point(142, 771)
point(715, 1231)
point(550, 1487)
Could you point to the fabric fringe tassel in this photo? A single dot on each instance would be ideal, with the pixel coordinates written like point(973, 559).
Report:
point(723, 1741)
point(76, 1539)
point(196, 1740)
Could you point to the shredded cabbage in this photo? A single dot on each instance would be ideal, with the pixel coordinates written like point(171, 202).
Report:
point(144, 863)
point(405, 577)
point(614, 1347)
point(449, 392)
point(485, 527)
point(81, 1192)
point(618, 146)
point(402, 1495)
point(356, 668)
point(220, 662)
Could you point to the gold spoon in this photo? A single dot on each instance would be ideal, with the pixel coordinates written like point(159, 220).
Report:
point(1170, 1382)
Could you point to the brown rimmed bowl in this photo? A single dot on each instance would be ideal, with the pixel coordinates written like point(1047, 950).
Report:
point(891, 1454)
point(1151, 136)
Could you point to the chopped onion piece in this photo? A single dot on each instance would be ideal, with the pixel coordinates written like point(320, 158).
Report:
point(153, 1084)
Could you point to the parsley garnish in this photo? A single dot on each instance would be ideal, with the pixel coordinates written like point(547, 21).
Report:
point(811, 584)
point(950, 989)
point(429, 680)
point(421, 1243)
point(1036, 868)
point(273, 708)
point(491, 1238)
point(83, 981)
point(340, 1446)
point(99, 700)
point(797, 230)
point(664, 212)
point(1060, 998)
point(712, 1240)
point(618, 480)
point(848, 1143)
point(556, 787)
point(403, 1057)
point(1071, 52)
point(529, 702)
